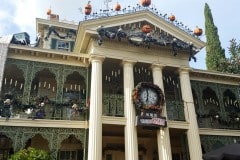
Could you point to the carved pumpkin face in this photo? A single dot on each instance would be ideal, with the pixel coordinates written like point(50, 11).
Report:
point(88, 8)
point(198, 31)
point(117, 7)
point(146, 28)
point(145, 3)
point(171, 18)
point(49, 11)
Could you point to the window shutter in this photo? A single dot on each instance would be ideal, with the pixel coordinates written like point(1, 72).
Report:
point(71, 45)
point(53, 43)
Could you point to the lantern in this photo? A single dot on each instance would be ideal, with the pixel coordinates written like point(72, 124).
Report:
point(117, 7)
point(49, 11)
point(198, 31)
point(145, 3)
point(146, 28)
point(171, 17)
point(88, 8)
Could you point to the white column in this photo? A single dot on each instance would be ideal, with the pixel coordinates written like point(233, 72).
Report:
point(95, 117)
point(163, 138)
point(194, 143)
point(131, 144)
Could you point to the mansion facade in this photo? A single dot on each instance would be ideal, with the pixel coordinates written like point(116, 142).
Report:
point(72, 92)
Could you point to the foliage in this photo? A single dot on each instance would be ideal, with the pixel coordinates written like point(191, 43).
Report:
point(215, 53)
point(232, 64)
point(30, 154)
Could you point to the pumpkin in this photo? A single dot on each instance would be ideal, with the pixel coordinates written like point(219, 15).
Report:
point(49, 11)
point(198, 31)
point(171, 17)
point(117, 7)
point(88, 8)
point(145, 3)
point(146, 28)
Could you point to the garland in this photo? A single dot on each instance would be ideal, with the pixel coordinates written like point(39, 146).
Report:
point(136, 97)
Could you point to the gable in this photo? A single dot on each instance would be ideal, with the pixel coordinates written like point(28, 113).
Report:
point(163, 32)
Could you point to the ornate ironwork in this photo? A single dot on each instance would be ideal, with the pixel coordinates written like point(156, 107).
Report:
point(113, 105)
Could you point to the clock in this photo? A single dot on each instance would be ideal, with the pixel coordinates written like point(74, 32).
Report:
point(147, 95)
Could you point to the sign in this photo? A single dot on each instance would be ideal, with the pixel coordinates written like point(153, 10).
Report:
point(150, 119)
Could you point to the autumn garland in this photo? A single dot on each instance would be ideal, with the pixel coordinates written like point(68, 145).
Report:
point(136, 96)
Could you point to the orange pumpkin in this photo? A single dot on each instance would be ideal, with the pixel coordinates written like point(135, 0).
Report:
point(146, 28)
point(117, 7)
point(172, 17)
point(49, 11)
point(145, 3)
point(88, 8)
point(198, 31)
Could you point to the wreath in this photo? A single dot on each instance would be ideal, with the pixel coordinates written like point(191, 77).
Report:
point(136, 96)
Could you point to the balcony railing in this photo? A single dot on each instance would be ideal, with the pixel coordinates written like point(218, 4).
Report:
point(175, 110)
point(49, 111)
point(113, 105)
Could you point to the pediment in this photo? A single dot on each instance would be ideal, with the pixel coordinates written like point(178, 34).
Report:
point(129, 27)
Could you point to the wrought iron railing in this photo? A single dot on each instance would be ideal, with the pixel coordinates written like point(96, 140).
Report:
point(175, 110)
point(49, 111)
point(113, 105)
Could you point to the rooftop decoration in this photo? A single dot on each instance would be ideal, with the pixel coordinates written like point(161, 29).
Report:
point(145, 36)
point(198, 31)
point(172, 17)
point(88, 8)
point(49, 11)
point(117, 7)
point(145, 3)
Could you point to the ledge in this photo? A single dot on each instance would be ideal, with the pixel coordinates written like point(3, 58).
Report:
point(43, 123)
point(178, 124)
point(114, 120)
point(218, 132)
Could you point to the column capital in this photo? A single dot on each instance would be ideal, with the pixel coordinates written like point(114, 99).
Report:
point(96, 57)
point(184, 69)
point(158, 65)
point(129, 61)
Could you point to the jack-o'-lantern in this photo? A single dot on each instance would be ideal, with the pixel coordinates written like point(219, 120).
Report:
point(88, 8)
point(49, 11)
point(117, 7)
point(146, 28)
point(198, 31)
point(145, 3)
point(172, 17)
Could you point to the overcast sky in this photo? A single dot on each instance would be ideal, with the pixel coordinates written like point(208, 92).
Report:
point(19, 16)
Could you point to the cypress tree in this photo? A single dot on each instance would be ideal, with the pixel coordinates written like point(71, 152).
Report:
point(215, 53)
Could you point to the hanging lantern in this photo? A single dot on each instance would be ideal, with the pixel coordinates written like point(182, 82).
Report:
point(49, 11)
point(198, 31)
point(146, 28)
point(145, 3)
point(172, 17)
point(88, 8)
point(117, 7)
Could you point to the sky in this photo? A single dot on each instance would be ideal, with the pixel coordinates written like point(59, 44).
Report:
point(20, 16)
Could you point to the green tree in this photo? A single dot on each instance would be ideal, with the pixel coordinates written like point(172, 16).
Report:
point(215, 53)
point(232, 64)
point(30, 154)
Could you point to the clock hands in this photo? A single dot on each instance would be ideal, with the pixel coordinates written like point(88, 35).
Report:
point(147, 96)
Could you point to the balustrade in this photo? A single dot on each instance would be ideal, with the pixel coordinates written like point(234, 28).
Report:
point(113, 105)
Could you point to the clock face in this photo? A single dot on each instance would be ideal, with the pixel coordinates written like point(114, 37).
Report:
point(149, 96)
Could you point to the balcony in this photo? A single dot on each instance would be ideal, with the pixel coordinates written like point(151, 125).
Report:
point(113, 105)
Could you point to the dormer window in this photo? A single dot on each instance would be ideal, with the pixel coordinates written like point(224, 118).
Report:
point(63, 45)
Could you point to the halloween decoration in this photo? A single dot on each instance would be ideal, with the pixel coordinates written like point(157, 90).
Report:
point(146, 28)
point(88, 8)
point(172, 17)
point(117, 7)
point(145, 3)
point(49, 11)
point(198, 31)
